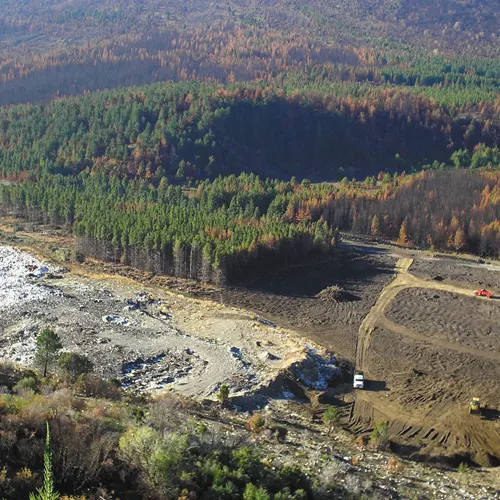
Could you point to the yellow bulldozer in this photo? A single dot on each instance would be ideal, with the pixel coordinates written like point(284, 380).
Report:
point(475, 406)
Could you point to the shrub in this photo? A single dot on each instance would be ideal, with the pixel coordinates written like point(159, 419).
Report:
point(247, 460)
point(380, 436)
point(92, 386)
point(23, 482)
point(158, 460)
point(394, 465)
point(254, 493)
point(256, 423)
point(73, 364)
point(331, 417)
point(30, 374)
point(362, 441)
point(463, 468)
point(279, 432)
point(223, 394)
point(80, 449)
point(26, 383)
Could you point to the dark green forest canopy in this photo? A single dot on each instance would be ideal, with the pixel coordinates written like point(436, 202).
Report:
point(146, 175)
point(234, 227)
point(219, 231)
point(190, 131)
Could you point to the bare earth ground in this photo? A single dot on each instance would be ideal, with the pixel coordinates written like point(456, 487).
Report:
point(450, 317)
point(422, 382)
point(145, 337)
point(290, 298)
point(424, 357)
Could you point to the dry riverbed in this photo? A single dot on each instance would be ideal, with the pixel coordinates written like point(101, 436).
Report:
point(145, 337)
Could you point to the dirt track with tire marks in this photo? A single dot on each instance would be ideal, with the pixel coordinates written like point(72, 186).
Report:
point(428, 379)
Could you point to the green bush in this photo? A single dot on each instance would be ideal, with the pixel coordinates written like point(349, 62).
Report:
point(255, 493)
point(331, 417)
point(27, 383)
point(223, 394)
point(380, 436)
point(73, 364)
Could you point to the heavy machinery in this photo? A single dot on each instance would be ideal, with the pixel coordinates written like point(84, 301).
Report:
point(359, 380)
point(483, 293)
point(475, 406)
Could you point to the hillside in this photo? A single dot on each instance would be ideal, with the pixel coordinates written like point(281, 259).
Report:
point(54, 48)
point(473, 24)
point(213, 213)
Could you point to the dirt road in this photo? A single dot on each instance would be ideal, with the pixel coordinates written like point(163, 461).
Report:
point(376, 316)
point(430, 420)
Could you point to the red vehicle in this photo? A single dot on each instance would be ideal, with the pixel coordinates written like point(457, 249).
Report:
point(483, 293)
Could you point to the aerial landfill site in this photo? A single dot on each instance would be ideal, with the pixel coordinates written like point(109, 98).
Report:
point(147, 341)
point(249, 250)
point(285, 352)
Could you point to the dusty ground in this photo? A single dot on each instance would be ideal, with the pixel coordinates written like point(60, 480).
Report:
point(467, 272)
point(147, 338)
point(290, 298)
point(450, 317)
point(421, 381)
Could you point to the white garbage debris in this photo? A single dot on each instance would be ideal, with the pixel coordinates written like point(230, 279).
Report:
point(115, 320)
point(17, 286)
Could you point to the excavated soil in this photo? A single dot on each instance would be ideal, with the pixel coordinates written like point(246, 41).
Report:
point(451, 317)
point(294, 298)
point(429, 345)
point(467, 272)
point(426, 392)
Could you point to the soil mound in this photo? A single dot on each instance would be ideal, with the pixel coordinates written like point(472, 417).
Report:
point(334, 293)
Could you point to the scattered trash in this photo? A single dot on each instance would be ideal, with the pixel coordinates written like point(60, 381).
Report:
point(267, 322)
point(17, 289)
point(267, 356)
point(43, 271)
point(116, 320)
point(316, 371)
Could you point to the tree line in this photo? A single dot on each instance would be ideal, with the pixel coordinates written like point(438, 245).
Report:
point(450, 209)
point(225, 230)
point(219, 232)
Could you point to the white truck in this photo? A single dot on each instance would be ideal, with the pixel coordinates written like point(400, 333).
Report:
point(359, 380)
